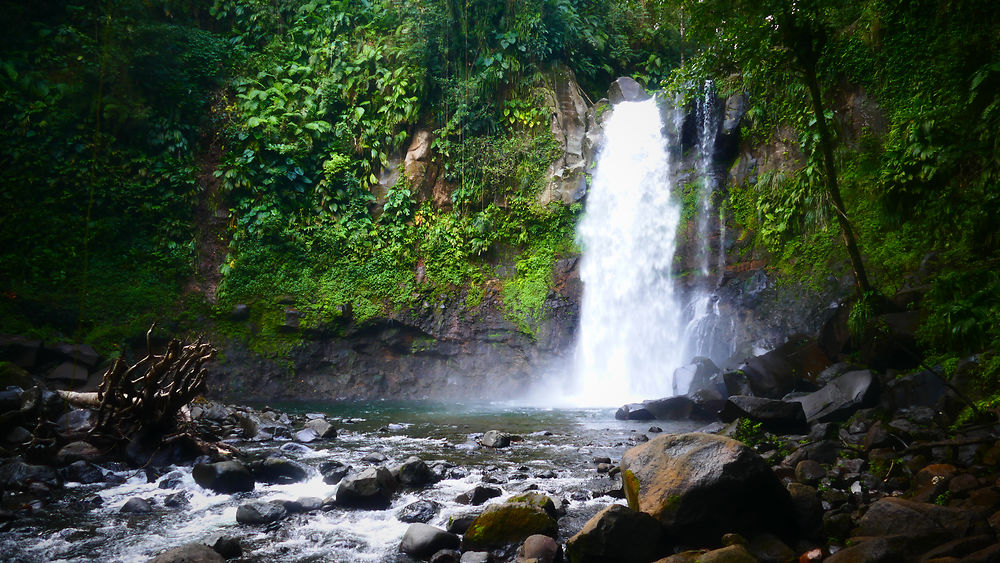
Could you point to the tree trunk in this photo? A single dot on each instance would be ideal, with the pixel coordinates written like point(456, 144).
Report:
point(826, 147)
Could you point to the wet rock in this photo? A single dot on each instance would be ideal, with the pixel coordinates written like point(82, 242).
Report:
point(700, 486)
point(767, 548)
point(10, 399)
point(323, 429)
point(257, 512)
point(899, 517)
point(809, 472)
point(414, 472)
point(421, 511)
point(177, 500)
point(778, 417)
point(476, 557)
point(278, 471)
point(497, 439)
point(69, 373)
point(83, 472)
point(422, 540)
point(294, 448)
point(478, 495)
point(785, 368)
point(19, 475)
point(808, 509)
point(306, 435)
point(224, 477)
point(190, 553)
point(617, 533)
point(226, 546)
point(959, 548)
point(538, 549)
point(136, 505)
point(841, 397)
point(731, 554)
point(333, 471)
point(17, 435)
point(374, 457)
point(502, 525)
point(75, 451)
point(625, 89)
point(446, 556)
point(634, 411)
point(372, 488)
point(675, 408)
point(459, 523)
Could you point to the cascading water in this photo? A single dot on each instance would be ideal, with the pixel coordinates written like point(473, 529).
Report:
point(637, 326)
point(629, 337)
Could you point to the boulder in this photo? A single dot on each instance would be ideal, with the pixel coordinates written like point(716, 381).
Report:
point(497, 439)
point(83, 472)
point(333, 471)
point(778, 417)
point(634, 411)
point(626, 89)
point(422, 511)
point(893, 516)
point(372, 488)
point(840, 398)
point(422, 541)
point(459, 523)
point(808, 509)
point(190, 553)
point(617, 533)
point(136, 505)
point(502, 525)
point(10, 399)
point(701, 374)
point(730, 554)
point(323, 429)
point(414, 472)
point(76, 423)
point(278, 471)
point(540, 500)
point(700, 486)
point(477, 557)
point(17, 474)
point(891, 341)
point(70, 373)
point(676, 408)
point(538, 549)
point(789, 367)
point(570, 122)
point(478, 495)
point(446, 556)
point(256, 512)
point(306, 435)
point(79, 450)
point(80, 353)
point(20, 351)
point(226, 546)
point(224, 477)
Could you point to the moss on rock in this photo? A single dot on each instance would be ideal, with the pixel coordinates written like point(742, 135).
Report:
point(504, 524)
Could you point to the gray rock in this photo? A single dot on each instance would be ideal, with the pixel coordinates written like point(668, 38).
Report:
point(224, 477)
point(619, 534)
point(476, 557)
point(841, 397)
point(422, 540)
point(20, 351)
point(177, 500)
point(83, 472)
point(226, 546)
point(323, 429)
point(333, 471)
point(779, 417)
point(79, 450)
point(257, 512)
point(459, 523)
point(893, 516)
point(190, 553)
point(625, 89)
point(809, 472)
point(20, 475)
point(421, 511)
point(372, 488)
point(478, 495)
point(415, 473)
point(70, 372)
point(496, 439)
point(278, 471)
point(306, 435)
point(446, 556)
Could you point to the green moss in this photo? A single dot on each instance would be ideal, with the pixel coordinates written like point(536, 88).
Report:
point(501, 525)
point(631, 485)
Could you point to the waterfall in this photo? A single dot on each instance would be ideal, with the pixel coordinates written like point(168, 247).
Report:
point(637, 326)
point(629, 341)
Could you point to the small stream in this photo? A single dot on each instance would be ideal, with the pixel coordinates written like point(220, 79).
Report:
point(83, 522)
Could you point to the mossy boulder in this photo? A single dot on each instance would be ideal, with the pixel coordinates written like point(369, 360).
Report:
point(540, 500)
point(503, 525)
point(617, 533)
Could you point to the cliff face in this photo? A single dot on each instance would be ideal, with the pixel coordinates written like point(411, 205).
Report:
point(450, 349)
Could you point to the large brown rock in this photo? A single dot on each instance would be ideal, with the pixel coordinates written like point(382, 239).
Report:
point(618, 534)
point(900, 517)
point(700, 486)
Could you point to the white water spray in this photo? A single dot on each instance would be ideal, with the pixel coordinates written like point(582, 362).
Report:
point(630, 333)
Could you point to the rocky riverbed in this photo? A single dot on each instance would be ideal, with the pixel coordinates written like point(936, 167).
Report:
point(787, 458)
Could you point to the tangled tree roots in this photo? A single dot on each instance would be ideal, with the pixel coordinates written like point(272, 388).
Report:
point(148, 395)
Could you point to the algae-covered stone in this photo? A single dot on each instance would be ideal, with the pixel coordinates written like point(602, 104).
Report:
point(540, 500)
point(501, 525)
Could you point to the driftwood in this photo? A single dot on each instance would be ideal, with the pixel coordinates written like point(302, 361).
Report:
point(148, 394)
point(85, 400)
